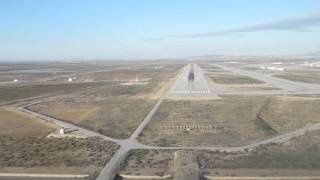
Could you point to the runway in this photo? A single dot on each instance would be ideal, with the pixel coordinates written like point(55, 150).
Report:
point(183, 87)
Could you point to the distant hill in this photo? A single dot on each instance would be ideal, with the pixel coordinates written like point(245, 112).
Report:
point(240, 57)
point(313, 54)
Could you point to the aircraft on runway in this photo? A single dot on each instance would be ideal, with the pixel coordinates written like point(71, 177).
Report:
point(191, 74)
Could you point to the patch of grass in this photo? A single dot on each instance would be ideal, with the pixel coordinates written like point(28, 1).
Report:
point(18, 124)
point(234, 79)
point(303, 77)
point(264, 126)
point(139, 154)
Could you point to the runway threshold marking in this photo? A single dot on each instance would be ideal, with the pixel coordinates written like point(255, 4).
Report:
point(192, 92)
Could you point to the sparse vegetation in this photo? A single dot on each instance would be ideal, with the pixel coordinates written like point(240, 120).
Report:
point(230, 121)
point(13, 93)
point(285, 113)
point(17, 124)
point(148, 162)
point(116, 117)
point(300, 153)
point(263, 125)
point(234, 79)
point(24, 145)
point(111, 109)
point(30, 152)
point(307, 77)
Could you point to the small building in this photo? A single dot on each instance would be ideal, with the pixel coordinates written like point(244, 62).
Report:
point(272, 68)
point(61, 131)
point(15, 80)
point(158, 67)
point(70, 79)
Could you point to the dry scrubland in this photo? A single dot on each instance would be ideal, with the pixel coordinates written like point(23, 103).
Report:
point(52, 71)
point(32, 152)
point(210, 67)
point(145, 162)
point(17, 124)
point(285, 114)
point(298, 157)
point(116, 117)
point(233, 79)
point(39, 80)
point(19, 92)
point(112, 108)
point(301, 76)
point(233, 122)
point(25, 148)
point(237, 120)
point(103, 105)
point(155, 76)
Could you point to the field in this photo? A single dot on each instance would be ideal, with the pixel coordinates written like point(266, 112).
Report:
point(31, 152)
point(141, 78)
point(211, 68)
point(24, 148)
point(145, 162)
point(13, 123)
point(19, 92)
point(52, 71)
point(299, 157)
point(230, 121)
point(114, 108)
point(233, 79)
point(110, 98)
point(113, 99)
point(116, 117)
point(249, 87)
point(307, 77)
point(285, 114)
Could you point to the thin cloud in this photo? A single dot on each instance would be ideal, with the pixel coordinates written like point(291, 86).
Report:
point(303, 23)
point(152, 39)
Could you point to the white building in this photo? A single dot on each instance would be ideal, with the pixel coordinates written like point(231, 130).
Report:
point(311, 64)
point(272, 68)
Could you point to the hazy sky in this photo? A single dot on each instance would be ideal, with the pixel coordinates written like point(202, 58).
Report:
point(107, 29)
